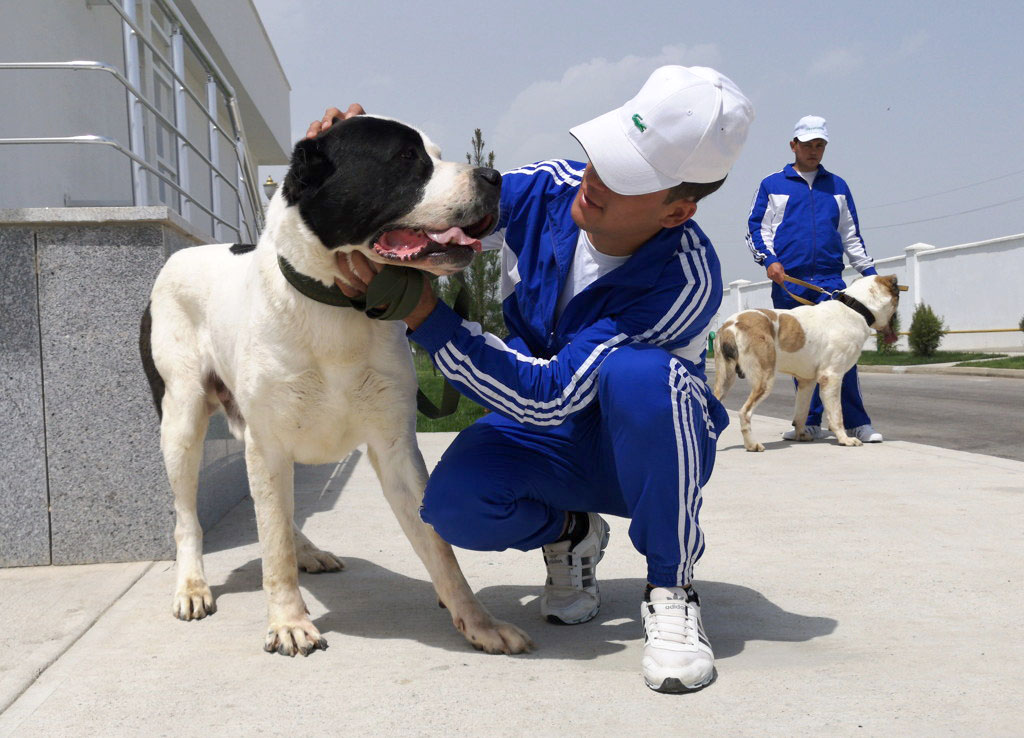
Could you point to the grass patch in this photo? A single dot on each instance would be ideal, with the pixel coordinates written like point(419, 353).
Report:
point(1008, 362)
point(431, 382)
point(905, 358)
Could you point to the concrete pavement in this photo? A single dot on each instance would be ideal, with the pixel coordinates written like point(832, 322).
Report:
point(862, 591)
point(981, 415)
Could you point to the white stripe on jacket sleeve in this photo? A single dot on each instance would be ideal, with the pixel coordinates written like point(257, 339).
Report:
point(853, 244)
point(581, 388)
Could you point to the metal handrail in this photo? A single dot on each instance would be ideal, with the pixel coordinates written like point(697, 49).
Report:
point(140, 34)
point(103, 140)
point(242, 160)
point(244, 181)
point(243, 184)
point(116, 73)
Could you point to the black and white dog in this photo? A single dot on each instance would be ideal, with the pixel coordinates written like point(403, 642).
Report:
point(306, 382)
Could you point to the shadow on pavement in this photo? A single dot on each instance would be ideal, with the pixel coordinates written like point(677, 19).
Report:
point(317, 489)
point(370, 601)
point(768, 446)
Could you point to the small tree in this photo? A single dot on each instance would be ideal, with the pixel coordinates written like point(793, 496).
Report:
point(484, 274)
point(477, 158)
point(880, 344)
point(926, 329)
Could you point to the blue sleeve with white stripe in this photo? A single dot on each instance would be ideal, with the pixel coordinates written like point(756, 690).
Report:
point(853, 244)
point(761, 252)
point(547, 391)
point(523, 188)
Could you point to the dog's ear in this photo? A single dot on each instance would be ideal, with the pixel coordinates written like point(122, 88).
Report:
point(310, 168)
point(894, 283)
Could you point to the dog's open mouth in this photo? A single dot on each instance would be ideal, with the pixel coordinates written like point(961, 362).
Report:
point(410, 244)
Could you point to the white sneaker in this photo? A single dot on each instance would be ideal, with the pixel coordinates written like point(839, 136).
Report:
point(677, 653)
point(571, 594)
point(865, 433)
point(816, 431)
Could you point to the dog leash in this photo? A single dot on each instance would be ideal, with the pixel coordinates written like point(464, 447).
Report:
point(399, 290)
point(808, 285)
point(837, 295)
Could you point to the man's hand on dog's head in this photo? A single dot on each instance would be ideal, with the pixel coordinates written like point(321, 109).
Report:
point(319, 126)
point(358, 272)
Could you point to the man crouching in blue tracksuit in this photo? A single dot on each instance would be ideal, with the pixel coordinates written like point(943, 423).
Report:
point(599, 395)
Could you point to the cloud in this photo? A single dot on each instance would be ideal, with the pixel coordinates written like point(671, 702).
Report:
point(835, 63)
point(536, 124)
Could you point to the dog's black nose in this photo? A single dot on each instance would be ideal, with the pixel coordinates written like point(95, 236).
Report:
point(490, 176)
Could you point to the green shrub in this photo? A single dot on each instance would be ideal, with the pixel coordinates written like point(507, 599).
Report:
point(881, 345)
point(926, 329)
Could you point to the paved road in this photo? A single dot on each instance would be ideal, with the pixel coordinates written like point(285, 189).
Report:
point(983, 415)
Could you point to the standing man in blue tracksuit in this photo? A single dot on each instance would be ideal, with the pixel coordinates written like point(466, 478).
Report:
point(599, 395)
point(801, 223)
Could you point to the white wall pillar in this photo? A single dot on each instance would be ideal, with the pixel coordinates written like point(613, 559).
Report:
point(736, 288)
point(136, 113)
point(914, 270)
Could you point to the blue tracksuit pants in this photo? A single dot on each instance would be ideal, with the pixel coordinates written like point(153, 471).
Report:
point(643, 452)
point(854, 414)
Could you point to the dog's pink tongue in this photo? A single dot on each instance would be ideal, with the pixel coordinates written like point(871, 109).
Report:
point(403, 242)
point(457, 235)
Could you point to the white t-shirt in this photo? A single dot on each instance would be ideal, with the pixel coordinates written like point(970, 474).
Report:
point(809, 176)
point(588, 265)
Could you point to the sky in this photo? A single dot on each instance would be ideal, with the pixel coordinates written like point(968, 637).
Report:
point(924, 101)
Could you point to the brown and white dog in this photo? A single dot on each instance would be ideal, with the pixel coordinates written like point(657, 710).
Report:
point(817, 344)
point(306, 382)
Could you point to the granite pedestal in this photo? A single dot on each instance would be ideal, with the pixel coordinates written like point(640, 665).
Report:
point(83, 478)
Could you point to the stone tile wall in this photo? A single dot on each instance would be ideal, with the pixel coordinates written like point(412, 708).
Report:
point(81, 433)
point(24, 516)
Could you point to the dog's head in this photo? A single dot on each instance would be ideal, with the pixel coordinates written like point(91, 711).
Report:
point(881, 295)
point(379, 186)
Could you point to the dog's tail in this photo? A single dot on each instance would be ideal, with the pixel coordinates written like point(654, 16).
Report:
point(727, 365)
point(156, 382)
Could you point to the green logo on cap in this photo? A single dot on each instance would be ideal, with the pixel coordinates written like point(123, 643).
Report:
point(638, 122)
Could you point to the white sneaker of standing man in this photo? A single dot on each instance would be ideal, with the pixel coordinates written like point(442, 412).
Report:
point(816, 431)
point(865, 434)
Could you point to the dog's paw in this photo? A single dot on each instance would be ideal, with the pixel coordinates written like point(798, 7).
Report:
point(314, 560)
point(193, 601)
point(290, 638)
point(496, 636)
point(848, 441)
point(755, 447)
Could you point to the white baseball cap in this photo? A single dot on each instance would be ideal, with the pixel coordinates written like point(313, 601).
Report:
point(687, 124)
point(809, 128)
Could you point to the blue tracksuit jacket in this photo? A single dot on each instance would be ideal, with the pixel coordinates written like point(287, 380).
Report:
point(545, 371)
point(590, 413)
point(807, 228)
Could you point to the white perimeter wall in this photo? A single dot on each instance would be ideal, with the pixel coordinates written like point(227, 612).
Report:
point(972, 287)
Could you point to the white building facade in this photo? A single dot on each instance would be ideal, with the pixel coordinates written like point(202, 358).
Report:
point(141, 103)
